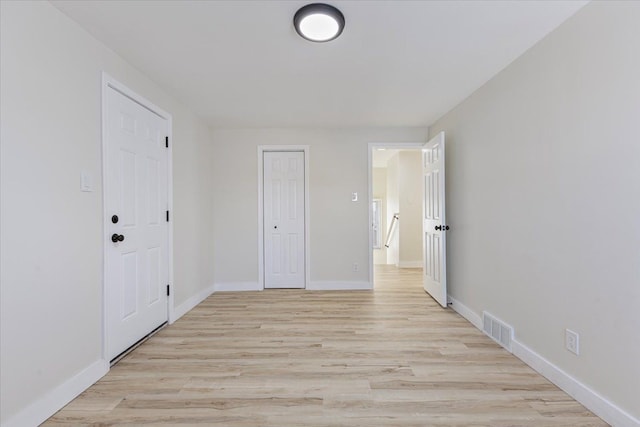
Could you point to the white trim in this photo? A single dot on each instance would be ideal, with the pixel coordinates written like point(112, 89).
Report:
point(593, 401)
point(103, 137)
point(307, 195)
point(339, 286)
point(43, 408)
point(238, 287)
point(171, 313)
point(372, 146)
point(465, 312)
point(110, 82)
point(410, 264)
point(191, 303)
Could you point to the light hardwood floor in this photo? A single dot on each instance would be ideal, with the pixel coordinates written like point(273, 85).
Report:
point(391, 357)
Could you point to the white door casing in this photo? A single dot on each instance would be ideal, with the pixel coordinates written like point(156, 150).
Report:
point(433, 224)
point(284, 219)
point(136, 191)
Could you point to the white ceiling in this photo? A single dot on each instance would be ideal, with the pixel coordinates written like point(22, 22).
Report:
point(241, 63)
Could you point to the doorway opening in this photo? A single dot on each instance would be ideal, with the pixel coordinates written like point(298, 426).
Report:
point(409, 179)
point(395, 183)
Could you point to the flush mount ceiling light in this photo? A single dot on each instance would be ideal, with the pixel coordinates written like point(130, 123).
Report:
point(318, 22)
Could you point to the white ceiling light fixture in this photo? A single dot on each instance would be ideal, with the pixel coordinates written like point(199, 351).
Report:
point(318, 22)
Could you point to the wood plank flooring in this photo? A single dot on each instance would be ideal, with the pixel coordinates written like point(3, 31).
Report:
point(391, 357)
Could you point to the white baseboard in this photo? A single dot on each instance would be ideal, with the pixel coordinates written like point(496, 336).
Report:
point(38, 412)
point(593, 401)
point(313, 286)
point(237, 286)
point(410, 264)
point(339, 286)
point(465, 312)
point(189, 304)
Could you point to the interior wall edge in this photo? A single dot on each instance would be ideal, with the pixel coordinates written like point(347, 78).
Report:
point(191, 303)
point(588, 397)
point(42, 408)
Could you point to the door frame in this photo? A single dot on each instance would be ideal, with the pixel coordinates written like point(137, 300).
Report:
point(374, 146)
point(109, 82)
point(282, 148)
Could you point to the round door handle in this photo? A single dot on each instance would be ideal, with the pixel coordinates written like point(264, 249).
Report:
point(445, 227)
point(275, 227)
point(117, 238)
point(438, 227)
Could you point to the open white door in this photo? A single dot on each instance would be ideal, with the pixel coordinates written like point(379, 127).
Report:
point(433, 221)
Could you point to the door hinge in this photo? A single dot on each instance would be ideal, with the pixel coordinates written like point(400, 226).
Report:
point(167, 216)
point(166, 141)
point(168, 290)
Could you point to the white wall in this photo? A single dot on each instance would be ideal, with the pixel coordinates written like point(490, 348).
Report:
point(543, 197)
point(410, 197)
point(193, 207)
point(339, 227)
point(393, 207)
point(51, 232)
point(379, 184)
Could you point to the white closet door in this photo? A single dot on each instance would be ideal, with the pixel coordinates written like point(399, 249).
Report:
point(284, 244)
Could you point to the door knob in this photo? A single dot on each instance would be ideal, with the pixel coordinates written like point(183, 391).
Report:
point(445, 227)
point(438, 227)
point(117, 238)
point(275, 227)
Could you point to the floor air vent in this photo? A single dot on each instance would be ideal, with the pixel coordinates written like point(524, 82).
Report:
point(499, 331)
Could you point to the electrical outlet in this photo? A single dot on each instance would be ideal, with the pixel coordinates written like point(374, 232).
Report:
point(356, 267)
point(572, 341)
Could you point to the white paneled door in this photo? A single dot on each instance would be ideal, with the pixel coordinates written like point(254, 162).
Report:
point(434, 226)
point(136, 229)
point(284, 245)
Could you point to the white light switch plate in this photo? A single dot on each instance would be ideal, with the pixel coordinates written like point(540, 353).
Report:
point(354, 197)
point(86, 181)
